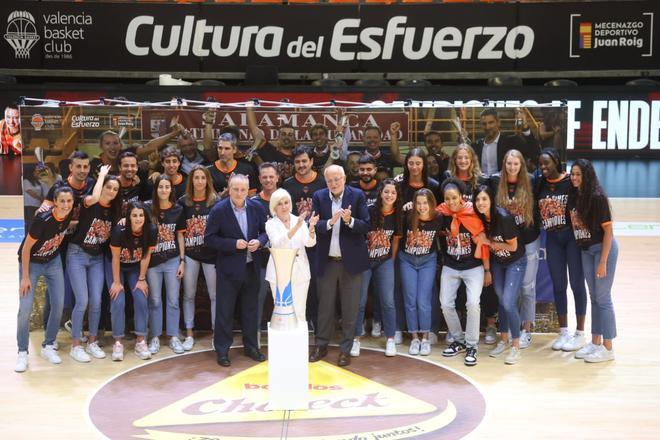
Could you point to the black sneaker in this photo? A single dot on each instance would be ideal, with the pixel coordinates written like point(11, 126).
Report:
point(471, 356)
point(453, 349)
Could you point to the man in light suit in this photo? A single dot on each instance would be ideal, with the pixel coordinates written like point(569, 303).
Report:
point(341, 258)
point(236, 229)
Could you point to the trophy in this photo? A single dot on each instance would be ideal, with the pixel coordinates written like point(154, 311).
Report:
point(284, 316)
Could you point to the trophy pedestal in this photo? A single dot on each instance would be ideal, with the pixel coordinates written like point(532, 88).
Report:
point(288, 368)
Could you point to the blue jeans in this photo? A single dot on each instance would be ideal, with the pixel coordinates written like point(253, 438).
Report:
point(399, 308)
point(382, 274)
point(417, 278)
point(190, 277)
point(128, 278)
point(54, 275)
point(528, 289)
point(562, 252)
point(603, 321)
point(507, 281)
point(86, 274)
point(155, 276)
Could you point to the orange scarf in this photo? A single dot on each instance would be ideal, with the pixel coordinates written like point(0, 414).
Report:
point(468, 218)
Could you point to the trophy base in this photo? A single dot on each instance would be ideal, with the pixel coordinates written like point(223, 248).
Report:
point(288, 368)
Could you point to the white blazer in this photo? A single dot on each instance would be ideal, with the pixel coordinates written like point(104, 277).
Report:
point(278, 237)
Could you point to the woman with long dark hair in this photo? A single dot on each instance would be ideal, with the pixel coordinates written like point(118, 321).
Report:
point(166, 265)
point(415, 176)
point(514, 193)
point(562, 251)
point(591, 220)
point(85, 260)
point(131, 244)
point(197, 202)
point(507, 266)
point(383, 245)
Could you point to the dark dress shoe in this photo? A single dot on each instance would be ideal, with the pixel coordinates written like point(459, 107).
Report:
point(320, 351)
point(344, 360)
point(223, 361)
point(254, 354)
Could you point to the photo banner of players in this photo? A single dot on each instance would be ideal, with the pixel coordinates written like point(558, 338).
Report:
point(303, 39)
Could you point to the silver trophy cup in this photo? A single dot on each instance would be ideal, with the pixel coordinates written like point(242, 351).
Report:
point(284, 315)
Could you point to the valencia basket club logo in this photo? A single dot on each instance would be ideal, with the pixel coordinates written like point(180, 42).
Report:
point(21, 33)
point(189, 397)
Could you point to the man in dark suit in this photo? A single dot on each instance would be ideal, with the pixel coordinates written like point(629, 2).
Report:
point(341, 258)
point(236, 229)
point(492, 148)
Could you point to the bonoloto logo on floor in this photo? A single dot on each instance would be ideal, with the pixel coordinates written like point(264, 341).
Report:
point(190, 397)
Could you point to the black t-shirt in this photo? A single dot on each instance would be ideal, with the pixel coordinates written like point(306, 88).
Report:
point(552, 198)
point(585, 237)
point(506, 229)
point(195, 217)
point(130, 249)
point(49, 232)
point(221, 176)
point(169, 222)
point(133, 193)
point(383, 160)
point(301, 193)
point(79, 193)
point(94, 228)
point(321, 159)
point(458, 252)
point(283, 162)
point(264, 202)
point(408, 192)
point(178, 185)
point(424, 240)
point(370, 190)
point(531, 232)
point(379, 239)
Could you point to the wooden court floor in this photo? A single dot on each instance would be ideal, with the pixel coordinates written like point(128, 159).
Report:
point(546, 395)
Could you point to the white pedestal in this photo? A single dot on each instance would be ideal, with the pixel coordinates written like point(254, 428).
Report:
point(288, 368)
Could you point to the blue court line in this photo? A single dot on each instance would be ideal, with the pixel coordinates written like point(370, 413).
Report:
point(11, 230)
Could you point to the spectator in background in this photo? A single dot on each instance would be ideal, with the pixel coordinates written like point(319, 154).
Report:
point(11, 142)
point(226, 165)
point(322, 148)
point(281, 154)
point(493, 146)
point(352, 166)
point(187, 144)
point(387, 159)
point(35, 189)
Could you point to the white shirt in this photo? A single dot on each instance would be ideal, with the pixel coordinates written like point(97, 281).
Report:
point(489, 157)
point(278, 235)
point(335, 249)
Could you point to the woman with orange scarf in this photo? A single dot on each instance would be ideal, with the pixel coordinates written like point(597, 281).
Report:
point(465, 259)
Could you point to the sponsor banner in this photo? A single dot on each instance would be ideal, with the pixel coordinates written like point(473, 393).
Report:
point(303, 39)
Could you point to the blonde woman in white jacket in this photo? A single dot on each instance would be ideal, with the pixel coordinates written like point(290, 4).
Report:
point(287, 231)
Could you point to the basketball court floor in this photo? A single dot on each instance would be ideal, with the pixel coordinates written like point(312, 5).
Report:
point(546, 395)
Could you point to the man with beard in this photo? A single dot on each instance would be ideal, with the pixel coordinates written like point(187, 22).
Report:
point(10, 132)
point(132, 188)
point(492, 148)
point(78, 180)
point(367, 183)
point(384, 159)
point(187, 144)
point(282, 154)
point(304, 183)
point(226, 165)
point(322, 149)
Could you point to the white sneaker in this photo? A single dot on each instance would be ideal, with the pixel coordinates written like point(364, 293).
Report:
point(376, 328)
point(117, 351)
point(433, 338)
point(78, 354)
point(398, 337)
point(414, 347)
point(575, 343)
point(559, 342)
point(21, 362)
point(56, 346)
point(425, 348)
point(189, 342)
point(525, 339)
point(95, 350)
point(68, 326)
point(513, 356)
point(498, 350)
point(585, 351)
point(49, 353)
point(491, 335)
point(600, 354)
point(175, 345)
point(449, 338)
point(355, 349)
point(390, 348)
point(154, 345)
point(142, 351)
